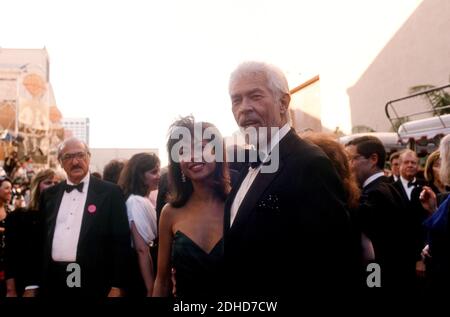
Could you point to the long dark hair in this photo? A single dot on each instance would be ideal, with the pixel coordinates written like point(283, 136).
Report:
point(132, 179)
point(180, 191)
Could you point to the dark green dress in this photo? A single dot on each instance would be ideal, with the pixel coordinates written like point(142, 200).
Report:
point(197, 273)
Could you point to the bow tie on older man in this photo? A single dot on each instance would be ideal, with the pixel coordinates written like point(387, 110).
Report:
point(68, 188)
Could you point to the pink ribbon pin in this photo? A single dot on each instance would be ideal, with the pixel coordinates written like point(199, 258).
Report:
point(92, 209)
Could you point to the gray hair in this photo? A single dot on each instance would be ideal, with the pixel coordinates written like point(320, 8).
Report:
point(71, 140)
point(276, 80)
point(444, 152)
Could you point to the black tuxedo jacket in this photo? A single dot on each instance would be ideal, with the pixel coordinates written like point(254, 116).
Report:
point(293, 229)
point(384, 217)
point(104, 246)
point(417, 213)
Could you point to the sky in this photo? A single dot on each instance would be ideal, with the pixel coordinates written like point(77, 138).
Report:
point(134, 66)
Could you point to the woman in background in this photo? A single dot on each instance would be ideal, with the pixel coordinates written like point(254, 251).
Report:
point(138, 178)
point(431, 173)
point(23, 235)
point(336, 153)
point(5, 199)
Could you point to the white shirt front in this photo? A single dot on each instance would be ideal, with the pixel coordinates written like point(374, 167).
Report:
point(252, 173)
point(408, 190)
point(68, 223)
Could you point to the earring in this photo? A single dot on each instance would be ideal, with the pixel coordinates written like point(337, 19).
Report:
point(183, 177)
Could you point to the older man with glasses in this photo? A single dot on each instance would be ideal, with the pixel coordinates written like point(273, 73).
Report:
point(86, 238)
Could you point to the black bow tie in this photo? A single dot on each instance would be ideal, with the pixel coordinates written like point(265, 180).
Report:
point(411, 184)
point(68, 188)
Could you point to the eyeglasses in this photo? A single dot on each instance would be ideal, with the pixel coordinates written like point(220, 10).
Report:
point(71, 156)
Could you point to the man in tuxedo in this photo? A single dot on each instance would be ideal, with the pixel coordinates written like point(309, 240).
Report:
point(382, 215)
point(395, 167)
point(286, 225)
point(410, 188)
point(84, 221)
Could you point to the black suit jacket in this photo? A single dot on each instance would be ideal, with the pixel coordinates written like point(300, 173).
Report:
point(384, 217)
point(104, 246)
point(292, 229)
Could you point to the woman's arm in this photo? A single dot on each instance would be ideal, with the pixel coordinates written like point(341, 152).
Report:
point(163, 277)
point(144, 258)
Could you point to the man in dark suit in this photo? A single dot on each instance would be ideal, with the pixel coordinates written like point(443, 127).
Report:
point(382, 215)
point(286, 225)
point(84, 221)
point(395, 166)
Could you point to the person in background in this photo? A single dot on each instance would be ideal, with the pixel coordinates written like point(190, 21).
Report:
point(5, 198)
point(336, 153)
point(383, 215)
point(395, 167)
point(436, 253)
point(23, 235)
point(410, 186)
point(431, 173)
point(138, 178)
point(97, 175)
point(111, 171)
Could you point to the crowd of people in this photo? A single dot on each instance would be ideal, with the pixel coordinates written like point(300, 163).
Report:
point(295, 211)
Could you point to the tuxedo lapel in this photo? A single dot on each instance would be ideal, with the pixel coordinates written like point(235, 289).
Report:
point(401, 189)
point(231, 197)
point(91, 210)
point(262, 180)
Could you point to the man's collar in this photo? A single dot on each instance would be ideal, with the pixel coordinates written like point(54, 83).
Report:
point(372, 178)
point(85, 180)
point(405, 182)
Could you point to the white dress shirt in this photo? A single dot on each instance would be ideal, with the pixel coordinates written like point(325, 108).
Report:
point(68, 223)
point(408, 190)
point(253, 172)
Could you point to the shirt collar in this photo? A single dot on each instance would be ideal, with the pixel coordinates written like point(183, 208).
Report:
point(372, 178)
point(85, 180)
point(405, 182)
